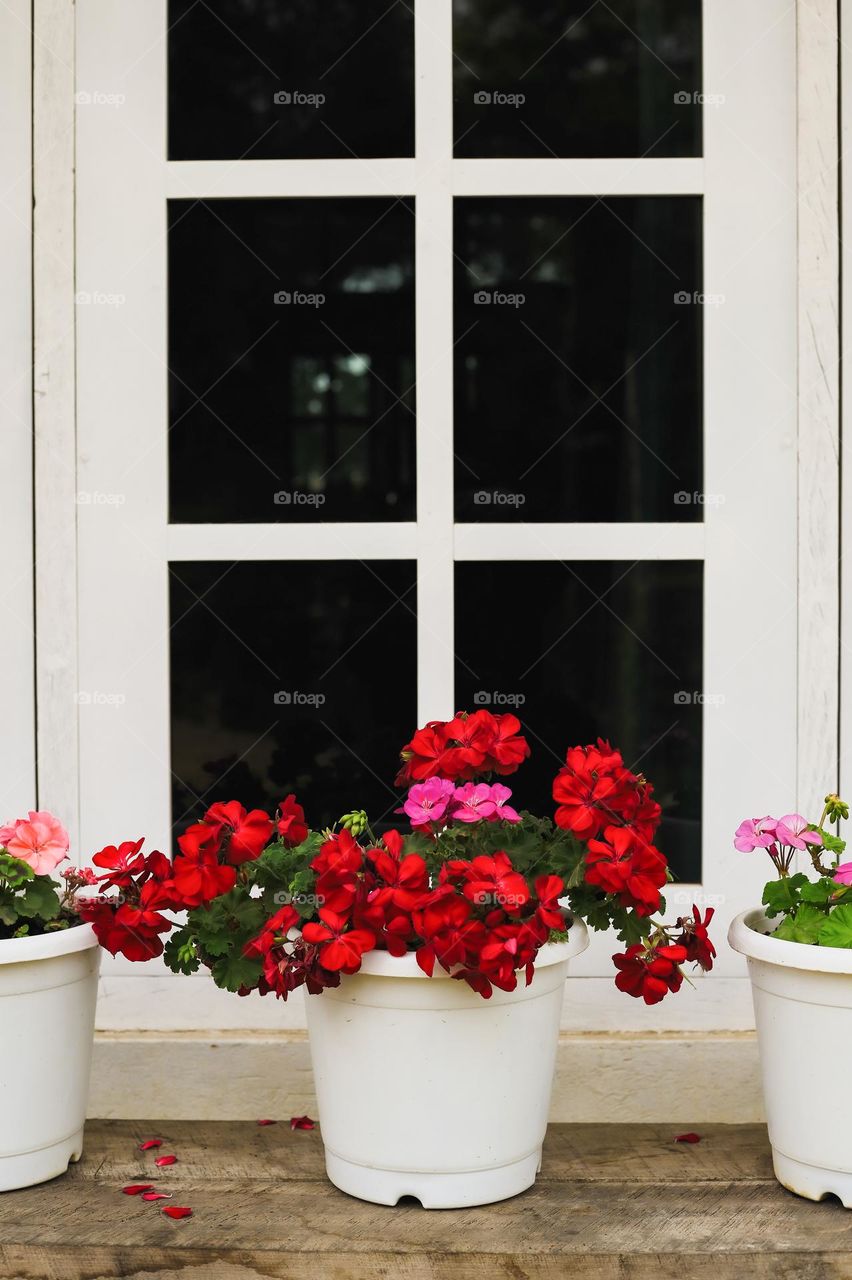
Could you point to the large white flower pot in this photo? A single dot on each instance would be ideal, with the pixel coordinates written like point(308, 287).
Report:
point(427, 1090)
point(48, 989)
point(803, 1010)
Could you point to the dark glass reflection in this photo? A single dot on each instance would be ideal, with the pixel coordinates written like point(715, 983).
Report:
point(291, 677)
point(613, 649)
point(291, 358)
point(569, 78)
point(578, 358)
point(268, 80)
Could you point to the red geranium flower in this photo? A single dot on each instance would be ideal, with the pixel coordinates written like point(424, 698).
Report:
point(695, 938)
point(623, 865)
point(245, 834)
point(494, 882)
point(199, 879)
point(123, 863)
point(291, 824)
point(649, 972)
point(548, 890)
point(339, 948)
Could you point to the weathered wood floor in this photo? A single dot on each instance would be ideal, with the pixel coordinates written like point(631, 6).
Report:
point(612, 1203)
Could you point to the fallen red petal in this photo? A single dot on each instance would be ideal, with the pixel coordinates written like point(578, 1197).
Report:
point(688, 1137)
point(176, 1211)
point(136, 1188)
point(162, 1161)
point(265, 1122)
point(302, 1122)
point(150, 1143)
point(157, 1195)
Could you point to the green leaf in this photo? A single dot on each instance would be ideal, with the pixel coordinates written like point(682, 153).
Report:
point(235, 971)
point(836, 928)
point(39, 899)
point(14, 871)
point(819, 891)
point(804, 926)
point(180, 953)
point(783, 895)
point(831, 843)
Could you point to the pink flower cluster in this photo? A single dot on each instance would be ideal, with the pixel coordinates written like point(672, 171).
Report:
point(438, 800)
point(764, 833)
point(39, 840)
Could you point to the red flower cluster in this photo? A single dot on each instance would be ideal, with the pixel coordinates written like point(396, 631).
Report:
point(482, 921)
point(463, 748)
point(131, 923)
point(650, 971)
point(614, 811)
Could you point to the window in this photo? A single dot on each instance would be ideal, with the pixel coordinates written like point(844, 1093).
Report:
point(418, 379)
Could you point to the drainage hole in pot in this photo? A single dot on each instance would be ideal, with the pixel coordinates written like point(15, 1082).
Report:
point(409, 1201)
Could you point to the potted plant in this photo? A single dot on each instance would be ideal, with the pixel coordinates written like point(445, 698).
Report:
point(799, 949)
point(49, 961)
point(440, 954)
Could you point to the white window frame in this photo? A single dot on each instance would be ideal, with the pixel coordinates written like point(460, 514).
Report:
point(754, 210)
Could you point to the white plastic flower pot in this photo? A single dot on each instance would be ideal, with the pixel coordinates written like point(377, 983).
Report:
point(48, 990)
point(803, 1011)
point(427, 1090)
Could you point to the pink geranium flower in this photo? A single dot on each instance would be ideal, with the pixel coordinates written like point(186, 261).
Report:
point(473, 802)
point(428, 801)
point(755, 833)
point(502, 811)
point(792, 829)
point(40, 840)
point(843, 873)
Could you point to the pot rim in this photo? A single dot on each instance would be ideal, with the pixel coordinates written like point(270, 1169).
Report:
point(383, 965)
point(745, 936)
point(48, 946)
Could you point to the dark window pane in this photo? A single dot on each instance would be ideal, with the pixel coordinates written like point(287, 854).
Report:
point(269, 80)
point(291, 677)
point(615, 651)
point(569, 78)
point(291, 355)
point(578, 358)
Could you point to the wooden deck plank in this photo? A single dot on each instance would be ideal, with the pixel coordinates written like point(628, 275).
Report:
point(228, 1150)
point(613, 1203)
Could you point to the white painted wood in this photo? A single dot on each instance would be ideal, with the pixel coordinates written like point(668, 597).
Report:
point(220, 178)
point(579, 541)
point(846, 404)
point(356, 541)
point(54, 411)
point(819, 400)
point(550, 176)
point(679, 1080)
point(434, 359)
point(17, 687)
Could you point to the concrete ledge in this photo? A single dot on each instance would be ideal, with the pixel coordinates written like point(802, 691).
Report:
point(667, 1077)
